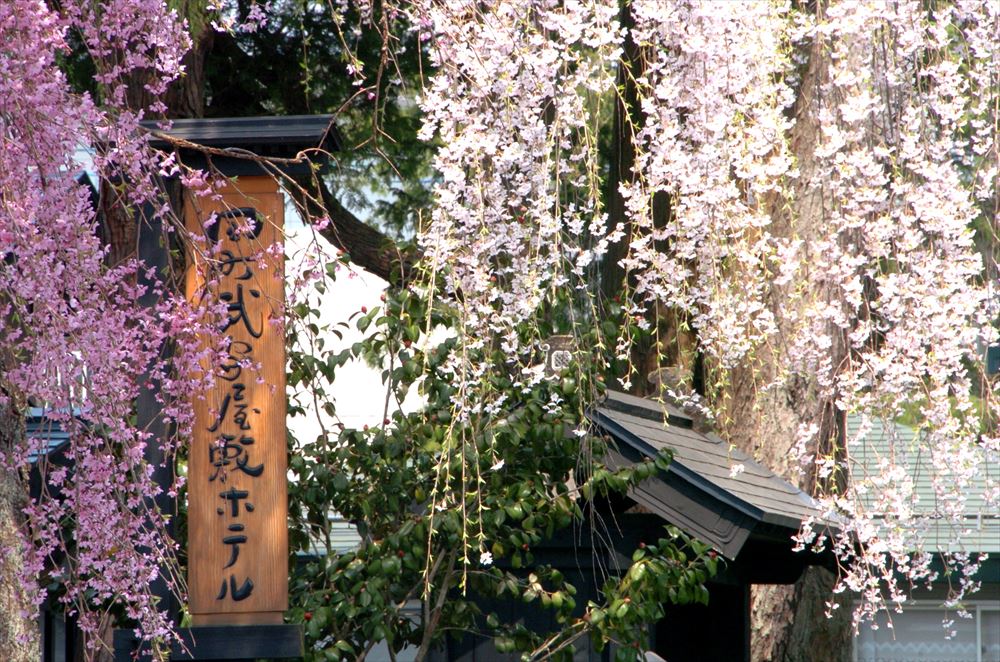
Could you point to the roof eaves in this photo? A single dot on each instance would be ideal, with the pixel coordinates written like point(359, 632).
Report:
point(780, 519)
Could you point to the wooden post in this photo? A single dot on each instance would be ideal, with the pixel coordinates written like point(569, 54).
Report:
point(238, 500)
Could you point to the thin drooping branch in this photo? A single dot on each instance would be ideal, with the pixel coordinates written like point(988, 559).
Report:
point(368, 247)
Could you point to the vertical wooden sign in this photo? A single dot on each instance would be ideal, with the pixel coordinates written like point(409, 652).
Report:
point(238, 499)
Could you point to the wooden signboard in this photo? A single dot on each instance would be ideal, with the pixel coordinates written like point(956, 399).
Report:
point(238, 501)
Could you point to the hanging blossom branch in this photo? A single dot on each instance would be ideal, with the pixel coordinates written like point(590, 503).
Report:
point(714, 101)
point(516, 211)
point(907, 164)
point(514, 101)
point(856, 209)
point(884, 272)
point(77, 341)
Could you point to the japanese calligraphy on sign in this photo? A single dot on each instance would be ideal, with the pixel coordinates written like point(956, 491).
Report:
point(237, 511)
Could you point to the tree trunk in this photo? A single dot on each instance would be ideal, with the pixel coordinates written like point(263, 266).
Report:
point(19, 635)
point(185, 98)
point(667, 344)
point(622, 157)
point(789, 623)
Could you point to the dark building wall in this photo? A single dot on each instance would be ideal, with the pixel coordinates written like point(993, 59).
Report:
point(718, 632)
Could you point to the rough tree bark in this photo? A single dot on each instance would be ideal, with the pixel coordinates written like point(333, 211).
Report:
point(19, 636)
point(185, 98)
point(789, 623)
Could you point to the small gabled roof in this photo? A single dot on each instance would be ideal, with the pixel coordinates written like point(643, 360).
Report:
point(700, 492)
point(45, 434)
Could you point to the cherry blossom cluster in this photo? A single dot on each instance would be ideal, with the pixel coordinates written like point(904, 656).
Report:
point(75, 340)
point(858, 211)
point(714, 139)
point(825, 173)
point(513, 103)
point(906, 164)
point(227, 18)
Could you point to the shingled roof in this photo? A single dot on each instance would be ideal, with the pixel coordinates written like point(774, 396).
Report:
point(700, 493)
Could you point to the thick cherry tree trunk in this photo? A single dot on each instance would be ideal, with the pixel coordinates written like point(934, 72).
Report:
point(790, 623)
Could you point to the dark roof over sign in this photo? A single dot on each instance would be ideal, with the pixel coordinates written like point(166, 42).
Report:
point(271, 136)
point(700, 493)
point(292, 131)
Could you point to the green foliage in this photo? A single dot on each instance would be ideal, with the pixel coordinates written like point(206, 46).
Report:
point(452, 506)
point(674, 570)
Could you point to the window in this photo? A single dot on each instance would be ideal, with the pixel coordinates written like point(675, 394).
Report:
point(917, 635)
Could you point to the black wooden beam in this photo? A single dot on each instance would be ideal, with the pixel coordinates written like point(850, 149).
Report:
point(229, 643)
